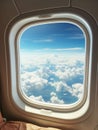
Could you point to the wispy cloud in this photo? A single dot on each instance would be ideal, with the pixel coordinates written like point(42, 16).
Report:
point(42, 40)
point(76, 36)
point(51, 50)
point(63, 49)
point(58, 35)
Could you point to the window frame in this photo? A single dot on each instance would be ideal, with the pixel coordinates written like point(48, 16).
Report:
point(21, 25)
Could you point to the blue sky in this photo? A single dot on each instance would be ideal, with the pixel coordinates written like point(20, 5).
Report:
point(52, 36)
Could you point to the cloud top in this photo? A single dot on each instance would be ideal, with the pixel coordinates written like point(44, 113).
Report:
point(52, 78)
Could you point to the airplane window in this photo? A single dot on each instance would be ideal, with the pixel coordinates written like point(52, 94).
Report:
point(52, 63)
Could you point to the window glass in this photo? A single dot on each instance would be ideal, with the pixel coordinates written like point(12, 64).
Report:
point(52, 63)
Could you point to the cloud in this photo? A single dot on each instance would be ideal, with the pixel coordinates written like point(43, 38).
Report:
point(42, 40)
point(59, 85)
point(52, 77)
point(63, 49)
point(57, 50)
point(77, 90)
point(38, 98)
point(32, 81)
point(55, 100)
point(77, 36)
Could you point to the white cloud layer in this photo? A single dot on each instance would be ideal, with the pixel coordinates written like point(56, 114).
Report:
point(52, 77)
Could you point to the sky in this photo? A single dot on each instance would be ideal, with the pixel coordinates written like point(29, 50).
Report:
point(52, 36)
point(52, 63)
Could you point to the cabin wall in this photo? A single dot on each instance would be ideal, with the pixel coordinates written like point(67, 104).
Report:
point(7, 13)
point(9, 9)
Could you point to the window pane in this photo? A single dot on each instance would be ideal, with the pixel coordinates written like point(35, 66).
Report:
point(52, 61)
